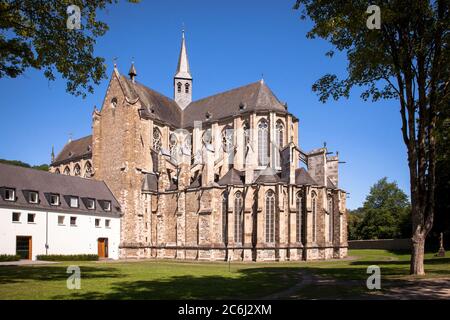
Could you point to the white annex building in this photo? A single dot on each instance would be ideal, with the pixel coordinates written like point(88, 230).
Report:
point(46, 213)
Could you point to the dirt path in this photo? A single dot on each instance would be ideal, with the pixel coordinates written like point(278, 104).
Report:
point(410, 289)
point(305, 279)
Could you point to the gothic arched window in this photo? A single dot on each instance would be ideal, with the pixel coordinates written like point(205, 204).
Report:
point(330, 218)
point(227, 140)
point(179, 87)
point(314, 213)
point(67, 171)
point(238, 217)
point(88, 170)
point(225, 217)
point(299, 217)
point(186, 87)
point(57, 171)
point(172, 142)
point(207, 136)
point(263, 142)
point(114, 102)
point(279, 132)
point(77, 170)
point(270, 216)
point(157, 139)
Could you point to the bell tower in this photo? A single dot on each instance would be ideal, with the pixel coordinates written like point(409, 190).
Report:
point(182, 81)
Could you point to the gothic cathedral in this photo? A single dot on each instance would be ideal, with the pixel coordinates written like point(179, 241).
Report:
point(218, 178)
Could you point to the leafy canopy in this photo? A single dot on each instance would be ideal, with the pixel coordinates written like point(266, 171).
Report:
point(385, 214)
point(34, 34)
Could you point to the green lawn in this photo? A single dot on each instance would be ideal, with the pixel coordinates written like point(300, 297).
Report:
point(201, 280)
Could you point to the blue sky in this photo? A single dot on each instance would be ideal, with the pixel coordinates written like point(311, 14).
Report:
point(230, 43)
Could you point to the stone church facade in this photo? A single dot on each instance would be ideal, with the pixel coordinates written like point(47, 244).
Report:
point(215, 179)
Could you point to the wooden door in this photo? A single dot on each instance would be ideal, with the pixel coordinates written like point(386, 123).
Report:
point(101, 248)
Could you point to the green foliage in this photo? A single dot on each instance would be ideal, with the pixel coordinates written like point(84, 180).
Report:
point(67, 257)
point(372, 64)
point(43, 167)
point(9, 257)
point(34, 34)
point(442, 199)
point(384, 215)
point(408, 59)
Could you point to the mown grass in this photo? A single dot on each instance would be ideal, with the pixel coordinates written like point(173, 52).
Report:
point(200, 280)
point(347, 278)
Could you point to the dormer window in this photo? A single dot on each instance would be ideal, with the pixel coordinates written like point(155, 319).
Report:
point(10, 194)
point(107, 205)
point(54, 199)
point(74, 202)
point(208, 115)
point(90, 204)
point(33, 197)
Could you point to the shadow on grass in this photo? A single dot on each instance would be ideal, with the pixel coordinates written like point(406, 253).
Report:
point(245, 284)
point(17, 274)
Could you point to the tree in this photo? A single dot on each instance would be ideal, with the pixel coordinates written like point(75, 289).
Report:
point(407, 59)
point(354, 221)
point(384, 214)
point(442, 219)
point(34, 34)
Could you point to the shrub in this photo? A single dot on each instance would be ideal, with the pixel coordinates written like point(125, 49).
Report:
point(9, 257)
point(67, 257)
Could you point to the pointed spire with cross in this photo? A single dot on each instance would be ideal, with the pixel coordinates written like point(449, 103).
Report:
point(132, 73)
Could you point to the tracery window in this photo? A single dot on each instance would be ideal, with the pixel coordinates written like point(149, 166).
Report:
point(88, 170)
point(270, 216)
point(299, 217)
point(66, 171)
point(227, 141)
point(238, 217)
point(186, 87)
point(330, 218)
point(263, 142)
point(279, 132)
point(207, 136)
point(179, 87)
point(225, 217)
point(157, 139)
point(77, 170)
point(314, 213)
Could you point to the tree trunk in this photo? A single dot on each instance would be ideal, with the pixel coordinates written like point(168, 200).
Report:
point(418, 251)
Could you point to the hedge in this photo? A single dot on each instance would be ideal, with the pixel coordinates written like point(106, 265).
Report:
point(9, 257)
point(67, 257)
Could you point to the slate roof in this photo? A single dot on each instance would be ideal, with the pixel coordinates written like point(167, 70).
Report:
point(197, 182)
point(150, 182)
point(155, 105)
point(268, 175)
point(255, 96)
point(302, 177)
point(232, 177)
point(252, 97)
point(74, 150)
point(330, 184)
point(24, 180)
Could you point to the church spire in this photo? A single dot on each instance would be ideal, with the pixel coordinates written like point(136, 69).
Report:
point(183, 70)
point(183, 79)
point(132, 73)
